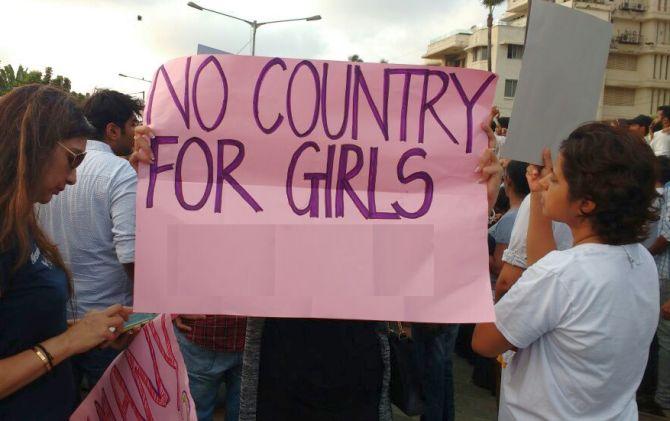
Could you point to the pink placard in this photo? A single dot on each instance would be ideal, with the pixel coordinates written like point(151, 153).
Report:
point(148, 381)
point(305, 188)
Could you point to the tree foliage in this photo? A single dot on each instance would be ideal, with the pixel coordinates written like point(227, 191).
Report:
point(10, 78)
point(490, 4)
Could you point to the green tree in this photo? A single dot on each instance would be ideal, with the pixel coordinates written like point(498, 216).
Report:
point(9, 79)
point(490, 4)
point(48, 73)
point(33, 76)
point(355, 58)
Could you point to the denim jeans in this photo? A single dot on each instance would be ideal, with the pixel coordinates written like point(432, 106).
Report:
point(90, 366)
point(663, 335)
point(437, 353)
point(207, 371)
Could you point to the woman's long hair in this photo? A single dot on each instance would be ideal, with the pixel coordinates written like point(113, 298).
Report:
point(33, 118)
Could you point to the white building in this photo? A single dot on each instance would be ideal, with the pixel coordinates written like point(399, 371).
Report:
point(637, 79)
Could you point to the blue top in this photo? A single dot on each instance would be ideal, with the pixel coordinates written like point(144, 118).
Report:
point(32, 310)
point(502, 230)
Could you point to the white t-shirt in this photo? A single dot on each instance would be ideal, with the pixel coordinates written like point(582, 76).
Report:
point(516, 252)
point(583, 320)
point(661, 143)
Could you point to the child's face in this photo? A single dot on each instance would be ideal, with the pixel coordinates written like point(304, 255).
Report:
point(556, 203)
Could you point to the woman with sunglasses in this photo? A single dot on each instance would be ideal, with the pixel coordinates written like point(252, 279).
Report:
point(42, 141)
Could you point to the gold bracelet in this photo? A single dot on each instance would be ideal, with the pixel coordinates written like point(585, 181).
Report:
point(43, 357)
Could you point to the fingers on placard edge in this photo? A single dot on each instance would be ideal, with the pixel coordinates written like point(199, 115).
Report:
point(546, 158)
point(491, 169)
point(113, 309)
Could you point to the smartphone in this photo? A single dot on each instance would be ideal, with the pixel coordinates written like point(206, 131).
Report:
point(138, 319)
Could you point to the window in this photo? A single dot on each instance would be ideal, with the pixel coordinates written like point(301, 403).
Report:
point(515, 51)
point(622, 62)
point(481, 53)
point(661, 66)
point(619, 96)
point(452, 61)
point(659, 97)
point(510, 88)
point(662, 33)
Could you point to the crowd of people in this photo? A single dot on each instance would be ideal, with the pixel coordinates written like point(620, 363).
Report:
point(579, 260)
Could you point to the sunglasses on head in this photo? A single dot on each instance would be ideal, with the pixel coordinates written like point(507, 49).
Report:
point(75, 159)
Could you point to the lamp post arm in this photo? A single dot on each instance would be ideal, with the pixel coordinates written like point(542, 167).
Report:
point(248, 22)
point(279, 21)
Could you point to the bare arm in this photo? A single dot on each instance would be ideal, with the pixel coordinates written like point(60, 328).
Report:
point(488, 341)
point(540, 240)
point(22, 369)
point(659, 246)
point(509, 274)
point(665, 310)
point(25, 367)
point(496, 262)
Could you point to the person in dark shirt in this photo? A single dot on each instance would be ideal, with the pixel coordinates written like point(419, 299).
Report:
point(42, 141)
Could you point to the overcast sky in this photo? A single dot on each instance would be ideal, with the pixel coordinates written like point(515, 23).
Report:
point(91, 41)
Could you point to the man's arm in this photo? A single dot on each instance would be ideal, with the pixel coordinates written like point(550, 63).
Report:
point(122, 211)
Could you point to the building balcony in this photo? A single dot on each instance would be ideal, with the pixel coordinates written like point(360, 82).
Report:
point(447, 44)
point(633, 6)
point(628, 38)
point(633, 43)
point(517, 6)
point(593, 4)
point(502, 34)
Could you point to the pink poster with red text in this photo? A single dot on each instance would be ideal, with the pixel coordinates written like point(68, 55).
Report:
point(306, 188)
point(148, 381)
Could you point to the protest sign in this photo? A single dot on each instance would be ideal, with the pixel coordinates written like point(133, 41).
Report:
point(148, 381)
point(304, 188)
point(560, 82)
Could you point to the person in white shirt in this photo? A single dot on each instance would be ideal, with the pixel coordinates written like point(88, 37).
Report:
point(640, 125)
point(93, 221)
point(581, 320)
point(660, 140)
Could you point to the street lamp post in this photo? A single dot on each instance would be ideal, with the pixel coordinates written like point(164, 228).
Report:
point(254, 24)
point(137, 93)
point(135, 77)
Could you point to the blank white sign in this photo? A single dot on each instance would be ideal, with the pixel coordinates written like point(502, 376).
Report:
point(560, 82)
